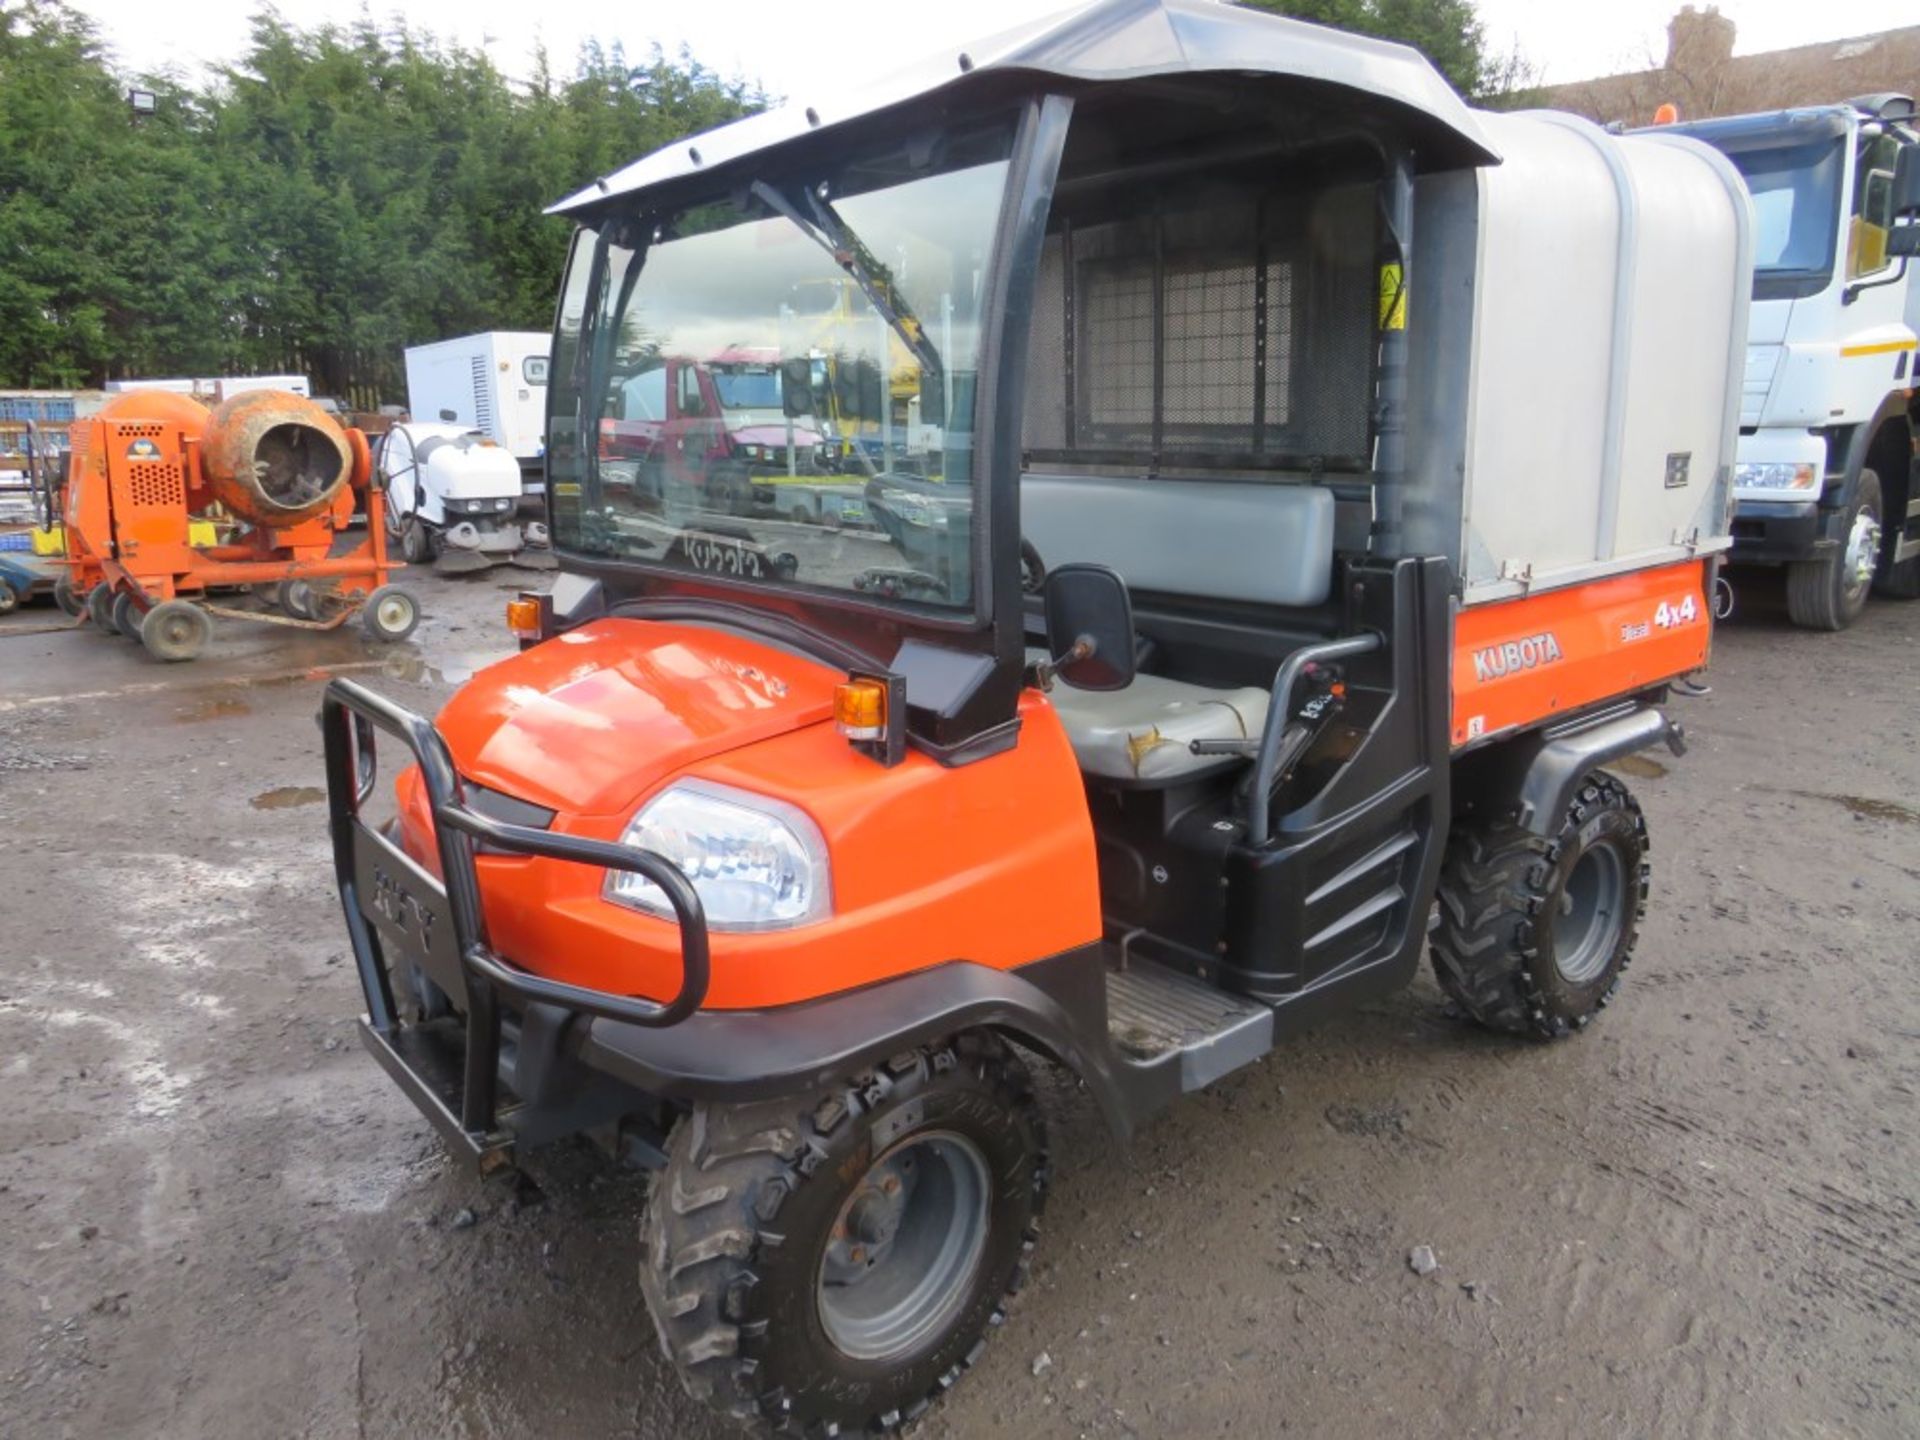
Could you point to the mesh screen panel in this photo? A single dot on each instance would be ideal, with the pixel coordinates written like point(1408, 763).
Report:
point(1235, 332)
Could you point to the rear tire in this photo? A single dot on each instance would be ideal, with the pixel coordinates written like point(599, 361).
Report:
point(9, 598)
point(67, 599)
point(126, 616)
point(416, 542)
point(100, 608)
point(832, 1266)
point(1534, 933)
point(1829, 593)
point(176, 630)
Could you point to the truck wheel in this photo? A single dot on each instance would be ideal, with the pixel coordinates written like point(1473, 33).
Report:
point(1829, 593)
point(1534, 933)
point(8, 598)
point(390, 613)
point(416, 542)
point(175, 630)
point(832, 1266)
point(100, 607)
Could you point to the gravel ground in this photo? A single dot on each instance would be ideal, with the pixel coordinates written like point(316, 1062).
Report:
point(1698, 1218)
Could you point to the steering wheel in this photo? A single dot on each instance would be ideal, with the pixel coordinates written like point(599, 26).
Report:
point(1033, 570)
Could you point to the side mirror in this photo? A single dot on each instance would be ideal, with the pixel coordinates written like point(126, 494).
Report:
point(1903, 241)
point(1089, 628)
point(1906, 181)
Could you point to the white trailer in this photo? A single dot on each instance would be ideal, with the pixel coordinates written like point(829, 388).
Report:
point(1826, 481)
point(495, 383)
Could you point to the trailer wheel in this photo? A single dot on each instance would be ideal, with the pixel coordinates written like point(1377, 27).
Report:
point(390, 614)
point(832, 1266)
point(100, 607)
point(9, 598)
point(299, 601)
point(70, 602)
point(126, 616)
point(1829, 593)
point(1534, 933)
point(176, 630)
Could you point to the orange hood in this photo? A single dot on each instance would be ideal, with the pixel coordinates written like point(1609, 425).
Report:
point(593, 720)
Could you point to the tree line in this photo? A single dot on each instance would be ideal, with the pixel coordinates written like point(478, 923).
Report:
point(344, 191)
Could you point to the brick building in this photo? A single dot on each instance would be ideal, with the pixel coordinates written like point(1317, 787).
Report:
point(1704, 77)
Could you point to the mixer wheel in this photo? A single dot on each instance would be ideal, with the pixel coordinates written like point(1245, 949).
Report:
point(100, 607)
point(298, 600)
point(176, 630)
point(390, 613)
point(126, 616)
point(67, 598)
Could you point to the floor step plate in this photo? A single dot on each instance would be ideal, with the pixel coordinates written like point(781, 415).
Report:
point(1153, 1013)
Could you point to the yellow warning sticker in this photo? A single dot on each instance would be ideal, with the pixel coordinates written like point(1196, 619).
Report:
point(1393, 298)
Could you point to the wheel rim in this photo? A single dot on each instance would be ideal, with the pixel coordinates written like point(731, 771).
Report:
point(1592, 910)
point(393, 612)
point(903, 1251)
point(177, 630)
point(1863, 553)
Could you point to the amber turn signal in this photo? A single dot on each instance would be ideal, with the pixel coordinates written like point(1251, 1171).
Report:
point(860, 709)
point(523, 618)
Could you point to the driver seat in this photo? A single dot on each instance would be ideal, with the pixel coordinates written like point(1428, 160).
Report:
point(1140, 734)
point(1263, 543)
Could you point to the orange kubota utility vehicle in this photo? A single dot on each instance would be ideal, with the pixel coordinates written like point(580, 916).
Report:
point(1328, 488)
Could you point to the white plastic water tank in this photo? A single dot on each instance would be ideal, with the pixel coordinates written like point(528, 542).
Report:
point(1577, 330)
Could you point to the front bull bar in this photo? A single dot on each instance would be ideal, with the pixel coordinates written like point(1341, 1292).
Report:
point(407, 898)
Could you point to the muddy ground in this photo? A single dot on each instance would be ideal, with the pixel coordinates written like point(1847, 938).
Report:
point(1699, 1218)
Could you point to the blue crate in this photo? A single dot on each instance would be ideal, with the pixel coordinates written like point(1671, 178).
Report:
point(19, 540)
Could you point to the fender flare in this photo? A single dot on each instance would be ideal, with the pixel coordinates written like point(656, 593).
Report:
point(1056, 1006)
point(1859, 441)
point(1534, 776)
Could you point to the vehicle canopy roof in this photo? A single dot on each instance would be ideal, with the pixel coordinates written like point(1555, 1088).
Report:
point(1108, 41)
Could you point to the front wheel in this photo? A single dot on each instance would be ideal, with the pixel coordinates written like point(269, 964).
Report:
point(1534, 932)
point(390, 614)
point(1829, 593)
point(831, 1266)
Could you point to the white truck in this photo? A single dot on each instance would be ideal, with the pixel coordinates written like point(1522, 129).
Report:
point(495, 383)
point(1826, 480)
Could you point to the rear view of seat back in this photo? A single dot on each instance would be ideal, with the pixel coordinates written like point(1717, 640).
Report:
point(1268, 544)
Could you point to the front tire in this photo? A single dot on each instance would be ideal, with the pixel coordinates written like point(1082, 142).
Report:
point(833, 1265)
point(1829, 593)
point(1535, 932)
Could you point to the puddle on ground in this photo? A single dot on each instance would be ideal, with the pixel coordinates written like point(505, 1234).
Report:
point(1866, 807)
point(416, 670)
point(288, 796)
point(217, 708)
point(1641, 767)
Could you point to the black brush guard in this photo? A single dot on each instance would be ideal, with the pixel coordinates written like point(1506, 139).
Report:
point(393, 903)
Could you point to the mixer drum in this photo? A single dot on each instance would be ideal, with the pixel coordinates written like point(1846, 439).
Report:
point(274, 458)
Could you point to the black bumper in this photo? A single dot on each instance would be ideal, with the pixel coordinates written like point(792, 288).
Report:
point(1773, 532)
point(401, 916)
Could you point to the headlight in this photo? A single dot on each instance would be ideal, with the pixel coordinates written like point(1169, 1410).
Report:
point(757, 863)
point(1775, 477)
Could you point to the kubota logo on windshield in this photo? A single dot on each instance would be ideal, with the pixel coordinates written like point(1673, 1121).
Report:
point(1497, 661)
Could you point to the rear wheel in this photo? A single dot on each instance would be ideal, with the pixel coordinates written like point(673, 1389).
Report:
point(9, 598)
point(1534, 932)
point(126, 615)
point(416, 542)
point(833, 1266)
point(175, 630)
point(67, 598)
point(100, 608)
point(1829, 593)
point(297, 598)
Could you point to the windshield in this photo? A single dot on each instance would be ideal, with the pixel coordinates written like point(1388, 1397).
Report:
point(747, 389)
point(779, 385)
point(1796, 204)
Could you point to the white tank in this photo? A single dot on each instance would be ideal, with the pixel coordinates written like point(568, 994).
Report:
point(1577, 329)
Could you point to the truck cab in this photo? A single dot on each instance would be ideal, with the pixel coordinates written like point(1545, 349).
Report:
point(1824, 483)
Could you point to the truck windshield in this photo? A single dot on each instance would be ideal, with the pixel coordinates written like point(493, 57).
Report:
point(1796, 205)
point(777, 386)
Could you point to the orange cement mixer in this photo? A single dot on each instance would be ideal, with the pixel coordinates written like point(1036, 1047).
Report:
point(278, 476)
